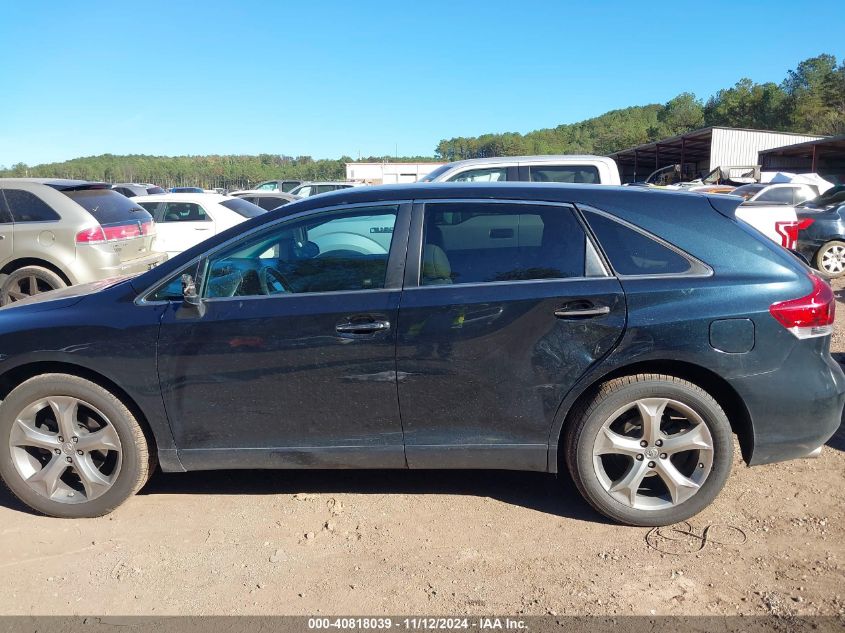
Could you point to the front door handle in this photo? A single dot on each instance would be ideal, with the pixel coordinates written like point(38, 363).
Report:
point(575, 313)
point(362, 327)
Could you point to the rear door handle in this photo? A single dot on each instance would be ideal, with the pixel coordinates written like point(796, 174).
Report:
point(575, 313)
point(203, 228)
point(362, 327)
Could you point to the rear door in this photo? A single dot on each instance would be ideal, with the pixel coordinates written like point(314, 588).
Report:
point(506, 305)
point(181, 225)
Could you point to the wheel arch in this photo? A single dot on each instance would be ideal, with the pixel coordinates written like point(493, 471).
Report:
point(21, 262)
point(712, 383)
point(18, 375)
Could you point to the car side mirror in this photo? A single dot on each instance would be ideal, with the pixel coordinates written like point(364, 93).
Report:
point(192, 304)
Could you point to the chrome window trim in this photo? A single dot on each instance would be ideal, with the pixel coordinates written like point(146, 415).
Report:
point(141, 299)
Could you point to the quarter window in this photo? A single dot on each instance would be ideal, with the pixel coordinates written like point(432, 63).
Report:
point(27, 207)
point(329, 252)
point(479, 243)
point(633, 253)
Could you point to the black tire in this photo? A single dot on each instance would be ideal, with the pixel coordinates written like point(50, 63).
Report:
point(136, 461)
point(825, 268)
point(20, 283)
point(588, 420)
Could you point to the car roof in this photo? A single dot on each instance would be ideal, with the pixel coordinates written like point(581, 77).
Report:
point(183, 197)
point(325, 182)
point(56, 183)
point(550, 158)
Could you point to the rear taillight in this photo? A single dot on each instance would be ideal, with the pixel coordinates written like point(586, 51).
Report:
point(808, 316)
point(116, 232)
point(788, 231)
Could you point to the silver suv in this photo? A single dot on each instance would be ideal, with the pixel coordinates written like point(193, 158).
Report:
point(56, 233)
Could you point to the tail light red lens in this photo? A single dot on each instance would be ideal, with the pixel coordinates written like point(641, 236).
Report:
point(808, 316)
point(788, 231)
point(99, 234)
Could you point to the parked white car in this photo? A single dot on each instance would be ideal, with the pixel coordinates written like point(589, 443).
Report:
point(598, 170)
point(186, 219)
point(776, 193)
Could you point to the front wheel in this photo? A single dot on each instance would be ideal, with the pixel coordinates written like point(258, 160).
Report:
point(69, 448)
point(649, 449)
point(830, 260)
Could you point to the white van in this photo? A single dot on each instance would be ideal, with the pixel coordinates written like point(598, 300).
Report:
point(587, 169)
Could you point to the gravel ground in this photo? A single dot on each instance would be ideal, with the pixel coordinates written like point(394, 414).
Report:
point(433, 543)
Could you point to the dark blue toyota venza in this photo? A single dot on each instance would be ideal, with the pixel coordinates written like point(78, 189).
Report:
point(624, 334)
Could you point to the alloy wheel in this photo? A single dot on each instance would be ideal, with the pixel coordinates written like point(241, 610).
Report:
point(833, 260)
point(28, 286)
point(653, 454)
point(65, 449)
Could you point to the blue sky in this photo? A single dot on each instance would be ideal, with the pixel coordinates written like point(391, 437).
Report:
point(332, 78)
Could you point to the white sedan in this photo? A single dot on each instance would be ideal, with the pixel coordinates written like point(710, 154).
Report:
point(186, 219)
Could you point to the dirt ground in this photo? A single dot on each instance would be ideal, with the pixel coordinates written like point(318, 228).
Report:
point(433, 543)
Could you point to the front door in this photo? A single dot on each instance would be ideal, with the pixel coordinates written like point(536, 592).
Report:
point(292, 363)
point(506, 305)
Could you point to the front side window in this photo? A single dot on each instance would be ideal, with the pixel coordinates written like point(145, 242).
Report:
point(27, 207)
point(184, 212)
point(267, 186)
point(478, 243)
point(633, 253)
point(303, 191)
point(492, 174)
point(564, 173)
point(328, 252)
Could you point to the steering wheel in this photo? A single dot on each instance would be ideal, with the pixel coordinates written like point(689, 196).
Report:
point(273, 282)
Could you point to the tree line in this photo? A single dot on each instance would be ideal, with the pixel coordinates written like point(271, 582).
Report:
point(811, 99)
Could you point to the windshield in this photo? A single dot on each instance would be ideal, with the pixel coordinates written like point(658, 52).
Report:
point(430, 176)
point(108, 207)
point(243, 208)
point(747, 191)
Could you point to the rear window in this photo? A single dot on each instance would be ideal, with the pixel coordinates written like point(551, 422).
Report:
point(108, 207)
point(268, 202)
point(152, 190)
point(243, 208)
point(633, 253)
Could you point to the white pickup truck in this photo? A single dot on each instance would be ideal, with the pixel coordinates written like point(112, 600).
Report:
point(598, 170)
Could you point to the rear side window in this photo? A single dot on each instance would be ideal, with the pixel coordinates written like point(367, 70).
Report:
point(184, 212)
point(244, 208)
point(27, 207)
point(108, 207)
point(777, 195)
point(633, 253)
point(479, 243)
point(563, 173)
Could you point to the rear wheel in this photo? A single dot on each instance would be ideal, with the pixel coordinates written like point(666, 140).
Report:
point(69, 448)
point(28, 281)
point(830, 260)
point(649, 449)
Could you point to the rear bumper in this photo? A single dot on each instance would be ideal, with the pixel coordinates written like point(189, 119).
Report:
point(94, 265)
point(796, 408)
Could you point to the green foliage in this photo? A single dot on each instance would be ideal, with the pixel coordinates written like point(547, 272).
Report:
point(810, 100)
